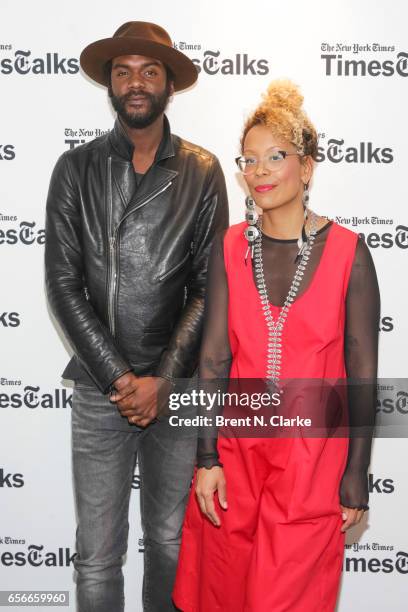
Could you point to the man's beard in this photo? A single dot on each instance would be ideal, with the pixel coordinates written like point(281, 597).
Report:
point(140, 119)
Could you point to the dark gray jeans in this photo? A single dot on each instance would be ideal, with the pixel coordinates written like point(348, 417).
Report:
point(104, 450)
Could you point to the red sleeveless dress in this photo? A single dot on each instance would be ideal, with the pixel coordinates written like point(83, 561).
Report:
point(279, 547)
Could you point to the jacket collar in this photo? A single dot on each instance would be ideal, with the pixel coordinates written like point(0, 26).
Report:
point(124, 147)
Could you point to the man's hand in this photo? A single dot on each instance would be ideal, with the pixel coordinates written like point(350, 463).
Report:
point(141, 399)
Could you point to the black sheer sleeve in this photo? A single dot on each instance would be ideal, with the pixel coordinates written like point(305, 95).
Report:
point(361, 355)
point(215, 353)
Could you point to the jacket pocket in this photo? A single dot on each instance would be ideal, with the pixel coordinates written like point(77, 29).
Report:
point(155, 338)
point(169, 273)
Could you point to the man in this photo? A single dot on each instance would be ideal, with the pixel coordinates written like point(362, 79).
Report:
point(130, 221)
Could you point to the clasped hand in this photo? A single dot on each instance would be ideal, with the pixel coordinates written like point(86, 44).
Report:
point(141, 399)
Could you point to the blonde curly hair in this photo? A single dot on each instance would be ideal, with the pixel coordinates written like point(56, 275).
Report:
point(281, 110)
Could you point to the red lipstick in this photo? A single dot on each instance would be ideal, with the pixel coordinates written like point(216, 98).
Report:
point(264, 188)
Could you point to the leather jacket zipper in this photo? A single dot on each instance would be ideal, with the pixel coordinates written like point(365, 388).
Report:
point(149, 199)
point(113, 272)
point(112, 255)
point(112, 284)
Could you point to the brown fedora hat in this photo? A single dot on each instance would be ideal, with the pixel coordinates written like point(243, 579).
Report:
point(138, 38)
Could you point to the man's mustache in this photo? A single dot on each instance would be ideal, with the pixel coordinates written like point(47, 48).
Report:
point(133, 95)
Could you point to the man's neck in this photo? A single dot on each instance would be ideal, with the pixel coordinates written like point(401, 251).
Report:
point(146, 140)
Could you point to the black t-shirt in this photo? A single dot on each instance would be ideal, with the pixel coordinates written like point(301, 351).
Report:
point(138, 177)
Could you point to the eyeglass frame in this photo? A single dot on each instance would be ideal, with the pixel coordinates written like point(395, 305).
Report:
point(281, 151)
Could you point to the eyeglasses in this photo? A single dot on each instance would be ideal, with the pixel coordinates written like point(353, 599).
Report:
point(273, 160)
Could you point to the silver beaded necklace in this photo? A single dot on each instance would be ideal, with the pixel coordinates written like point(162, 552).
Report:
point(275, 326)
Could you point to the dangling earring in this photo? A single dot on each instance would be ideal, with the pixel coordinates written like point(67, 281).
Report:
point(305, 196)
point(251, 232)
point(303, 238)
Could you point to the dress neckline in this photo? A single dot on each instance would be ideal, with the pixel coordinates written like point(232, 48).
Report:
point(294, 240)
point(316, 273)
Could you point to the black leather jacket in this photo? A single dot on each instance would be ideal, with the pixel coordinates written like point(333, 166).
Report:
point(125, 265)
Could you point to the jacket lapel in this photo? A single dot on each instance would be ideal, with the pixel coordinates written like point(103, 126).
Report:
point(123, 181)
point(156, 179)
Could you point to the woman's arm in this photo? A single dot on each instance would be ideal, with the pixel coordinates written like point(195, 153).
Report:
point(214, 368)
point(215, 353)
point(361, 357)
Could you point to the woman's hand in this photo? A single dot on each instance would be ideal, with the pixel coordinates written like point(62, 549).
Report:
point(209, 481)
point(353, 494)
point(351, 516)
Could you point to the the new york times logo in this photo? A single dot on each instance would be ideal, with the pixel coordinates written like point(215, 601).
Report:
point(8, 540)
point(8, 382)
point(335, 151)
point(75, 137)
point(34, 555)
point(335, 64)
point(10, 480)
point(26, 232)
point(357, 48)
point(7, 152)
point(397, 563)
point(213, 62)
point(22, 63)
point(32, 397)
point(356, 221)
point(398, 236)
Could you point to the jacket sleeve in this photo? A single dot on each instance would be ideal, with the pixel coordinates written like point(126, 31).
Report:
point(180, 360)
point(89, 338)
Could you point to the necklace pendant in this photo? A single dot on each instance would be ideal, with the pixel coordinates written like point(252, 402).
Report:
point(275, 328)
point(302, 247)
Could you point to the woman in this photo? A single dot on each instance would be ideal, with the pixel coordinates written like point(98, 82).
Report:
point(307, 307)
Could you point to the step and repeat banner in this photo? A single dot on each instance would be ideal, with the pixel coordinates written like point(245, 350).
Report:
point(351, 61)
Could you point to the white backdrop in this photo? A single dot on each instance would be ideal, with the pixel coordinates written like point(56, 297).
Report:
point(48, 105)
